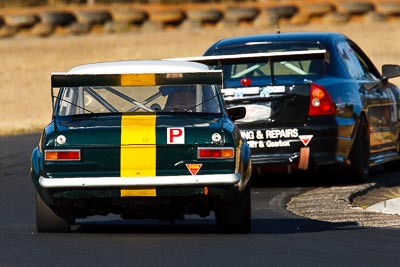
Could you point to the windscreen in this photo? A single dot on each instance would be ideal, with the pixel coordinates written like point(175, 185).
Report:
point(199, 98)
point(273, 71)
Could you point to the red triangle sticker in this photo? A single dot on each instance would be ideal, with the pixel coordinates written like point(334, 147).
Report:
point(194, 168)
point(305, 139)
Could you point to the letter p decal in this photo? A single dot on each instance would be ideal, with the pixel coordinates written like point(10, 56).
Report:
point(175, 135)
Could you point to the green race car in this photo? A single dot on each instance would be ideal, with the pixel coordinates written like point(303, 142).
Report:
point(142, 139)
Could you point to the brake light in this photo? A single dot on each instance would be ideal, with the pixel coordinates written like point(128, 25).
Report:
point(54, 155)
point(246, 82)
point(222, 153)
point(321, 102)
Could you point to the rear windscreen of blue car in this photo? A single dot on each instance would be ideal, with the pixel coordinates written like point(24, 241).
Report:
point(275, 71)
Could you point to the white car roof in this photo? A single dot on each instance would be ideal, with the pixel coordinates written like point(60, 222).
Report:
point(139, 66)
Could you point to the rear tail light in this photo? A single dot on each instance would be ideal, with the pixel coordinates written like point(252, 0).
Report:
point(221, 153)
point(65, 155)
point(321, 102)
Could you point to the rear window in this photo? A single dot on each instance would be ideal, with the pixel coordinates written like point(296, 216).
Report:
point(262, 72)
point(199, 98)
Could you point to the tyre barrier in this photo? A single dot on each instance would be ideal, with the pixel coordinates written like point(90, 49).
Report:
point(117, 27)
point(317, 9)
point(121, 19)
point(270, 15)
point(241, 13)
point(167, 17)
point(388, 8)
point(57, 18)
point(285, 12)
point(43, 30)
point(129, 16)
point(336, 18)
point(162, 19)
point(7, 31)
point(79, 28)
point(93, 17)
point(199, 18)
point(21, 21)
point(211, 16)
point(355, 8)
point(374, 17)
point(233, 16)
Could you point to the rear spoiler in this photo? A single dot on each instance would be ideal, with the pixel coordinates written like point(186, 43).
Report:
point(141, 79)
point(255, 57)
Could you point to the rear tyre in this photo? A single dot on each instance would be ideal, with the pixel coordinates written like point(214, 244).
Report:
point(235, 217)
point(47, 220)
point(359, 155)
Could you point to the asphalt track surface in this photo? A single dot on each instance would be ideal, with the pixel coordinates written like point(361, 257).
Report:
point(278, 237)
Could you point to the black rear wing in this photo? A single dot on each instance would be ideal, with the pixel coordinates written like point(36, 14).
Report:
point(137, 79)
point(256, 57)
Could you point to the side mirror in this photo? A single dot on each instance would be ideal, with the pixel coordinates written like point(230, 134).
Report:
point(390, 71)
point(236, 113)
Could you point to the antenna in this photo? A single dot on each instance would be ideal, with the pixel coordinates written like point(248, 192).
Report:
point(278, 29)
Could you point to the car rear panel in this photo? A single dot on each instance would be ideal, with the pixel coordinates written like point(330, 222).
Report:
point(281, 137)
point(283, 143)
point(138, 145)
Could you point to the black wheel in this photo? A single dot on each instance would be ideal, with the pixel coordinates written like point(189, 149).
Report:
point(235, 217)
point(47, 220)
point(359, 155)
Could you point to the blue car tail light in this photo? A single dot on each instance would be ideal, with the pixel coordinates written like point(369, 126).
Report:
point(321, 102)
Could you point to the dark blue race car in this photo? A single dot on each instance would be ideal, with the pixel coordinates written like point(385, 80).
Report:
point(312, 100)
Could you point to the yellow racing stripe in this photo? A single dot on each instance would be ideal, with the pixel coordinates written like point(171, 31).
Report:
point(138, 79)
point(138, 150)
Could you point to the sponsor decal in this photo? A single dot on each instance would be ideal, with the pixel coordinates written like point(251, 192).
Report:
point(268, 143)
point(240, 92)
point(255, 112)
point(176, 135)
point(266, 91)
point(305, 139)
point(283, 133)
point(270, 138)
point(193, 168)
point(261, 91)
point(270, 134)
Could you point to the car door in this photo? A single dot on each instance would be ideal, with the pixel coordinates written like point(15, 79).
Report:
point(388, 109)
point(363, 73)
point(389, 118)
